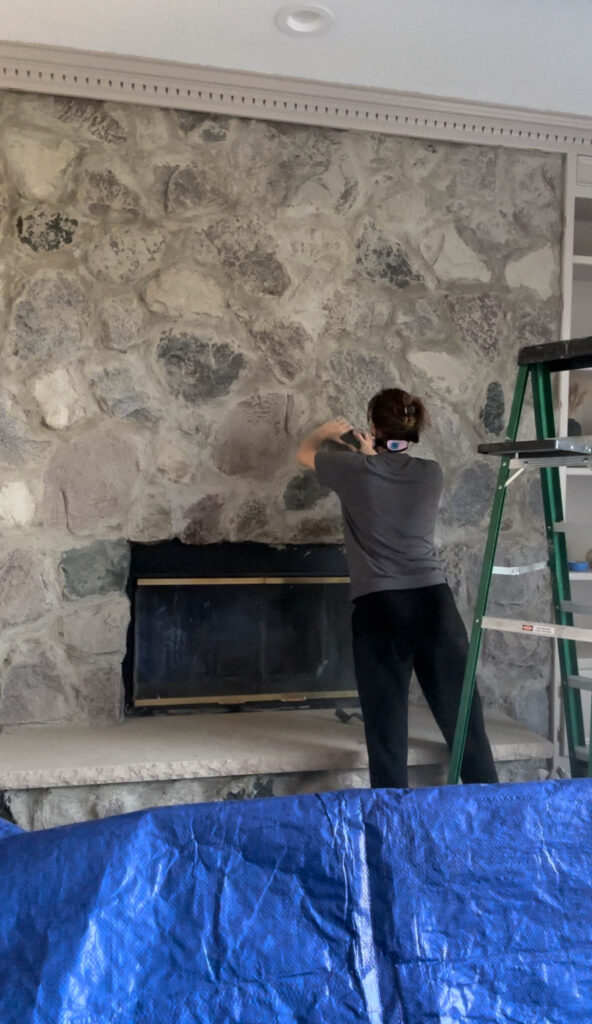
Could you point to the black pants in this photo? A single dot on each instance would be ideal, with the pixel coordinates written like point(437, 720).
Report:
point(394, 632)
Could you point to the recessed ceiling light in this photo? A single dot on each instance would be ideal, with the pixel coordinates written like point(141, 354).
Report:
point(304, 19)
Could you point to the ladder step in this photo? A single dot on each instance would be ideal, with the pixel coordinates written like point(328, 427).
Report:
point(572, 354)
point(561, 450)
point(575, 608)
point(546, 461)
point(564, 527)
point(550, 629)
point(581, 753)
point(518, 570)
point(579, 682)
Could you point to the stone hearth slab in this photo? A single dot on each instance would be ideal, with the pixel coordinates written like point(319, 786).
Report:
point(216, 745)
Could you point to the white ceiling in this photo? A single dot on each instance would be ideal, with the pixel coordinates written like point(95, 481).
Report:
point(524, 53)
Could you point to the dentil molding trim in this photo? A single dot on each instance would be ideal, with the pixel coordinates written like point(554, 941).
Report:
point(66, 72)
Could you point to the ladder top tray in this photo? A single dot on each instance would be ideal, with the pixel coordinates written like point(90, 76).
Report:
point(575, 354)
point(561, 448)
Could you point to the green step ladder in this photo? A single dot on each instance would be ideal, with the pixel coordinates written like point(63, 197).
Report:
point(547, 453)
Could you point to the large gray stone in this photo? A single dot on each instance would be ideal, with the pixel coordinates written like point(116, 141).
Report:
point(528, 594)
point(88, 483)
point(254, 439)
point(173, 463)
point(61, 398)
point(17, 504)
point(511, 664)
point(538, 271)
point(203, 521)
point(338, 187)
point(453, 558)
point(355, 377)
point(122, 391)
point(151, 517)
point(123, 320)
point(261, 271)
point(100, 692)
point(44, 230)
point(126, 254)
point(249, 258)
point(198, 368)
point(185, 291)
point(97, 628)
point(98, 568)
point(285, 346)
point(468, 172)
point(211, 128)
point(354, 313)
point(40, 163)
point(493, 413)
point(49, 318)
point(27, 587)
point(37, 687)
point(104, 192)
point(482, 322)
point(532, 707)
point(448, 374)
point(325, 530)
point(531, 186)
point(92, 117)
point(535, 324)
point(384, 259)
point(304, 491)
point(153, 130)
point(190, 189)
point(423, 319)
point(451, 258)
point(301, 155)
point(252, 523)
point(472, 495)
point(17, 443)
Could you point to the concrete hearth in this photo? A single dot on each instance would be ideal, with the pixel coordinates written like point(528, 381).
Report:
point(55, 776)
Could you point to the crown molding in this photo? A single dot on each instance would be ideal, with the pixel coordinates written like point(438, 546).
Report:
point(67, 72)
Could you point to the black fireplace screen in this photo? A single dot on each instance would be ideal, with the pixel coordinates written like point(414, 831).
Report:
point(283, 636)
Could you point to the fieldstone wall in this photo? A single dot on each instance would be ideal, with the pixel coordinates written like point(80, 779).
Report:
point(34, 809)
point(182, 297)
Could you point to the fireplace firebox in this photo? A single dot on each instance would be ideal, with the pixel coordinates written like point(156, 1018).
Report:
point(238, 624)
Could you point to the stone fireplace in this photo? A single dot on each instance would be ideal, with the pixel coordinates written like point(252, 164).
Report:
point(183, 297)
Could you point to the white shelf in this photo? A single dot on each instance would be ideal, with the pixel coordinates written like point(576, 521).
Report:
point(582, 261)
point(580, 576)
point(579, 471)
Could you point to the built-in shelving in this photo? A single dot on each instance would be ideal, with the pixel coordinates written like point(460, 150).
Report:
point(576, 402)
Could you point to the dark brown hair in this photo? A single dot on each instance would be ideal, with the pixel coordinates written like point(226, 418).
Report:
point(397, 416)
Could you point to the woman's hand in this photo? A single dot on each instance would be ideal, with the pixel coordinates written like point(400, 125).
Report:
point(366, 442)
point(330, 431)
point(333, 429)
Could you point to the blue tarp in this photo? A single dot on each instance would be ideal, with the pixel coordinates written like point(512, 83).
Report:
point(468, 904)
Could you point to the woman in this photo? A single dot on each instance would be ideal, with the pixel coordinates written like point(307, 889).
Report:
point(404, 616)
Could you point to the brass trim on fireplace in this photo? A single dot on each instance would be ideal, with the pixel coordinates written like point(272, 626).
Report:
point(242, 698)
point(186, 581)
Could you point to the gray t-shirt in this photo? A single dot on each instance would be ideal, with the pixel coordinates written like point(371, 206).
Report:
point(389, 503)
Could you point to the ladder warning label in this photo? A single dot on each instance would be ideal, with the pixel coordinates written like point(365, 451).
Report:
point(538, 627)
